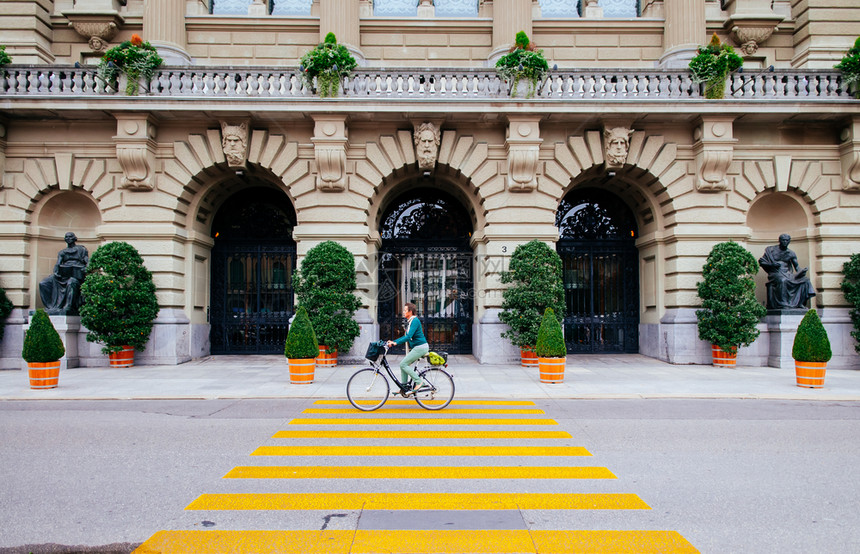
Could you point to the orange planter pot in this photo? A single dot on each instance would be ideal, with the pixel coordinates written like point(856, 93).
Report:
point(44, 375)
point(326, 359)
point(551, 370)
point(301, 370)
point(528, 358)
point(810, 374)
point(723, 358)
point(123, 358)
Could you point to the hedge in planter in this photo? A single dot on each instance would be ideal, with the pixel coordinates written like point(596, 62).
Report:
point(325, 285)
point(811, 343)
point(851, 290)
point(42, 343)
point(730, 311)
point(536, 284)
point(301, 348)
point(550, 349)
point(119, 298)
point(5, 309)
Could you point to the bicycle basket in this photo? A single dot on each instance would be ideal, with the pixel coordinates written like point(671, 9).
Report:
point(437, 358)
point(374, 349)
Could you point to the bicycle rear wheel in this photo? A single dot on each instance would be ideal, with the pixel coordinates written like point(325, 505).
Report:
point(367, 389)
point(440, 389)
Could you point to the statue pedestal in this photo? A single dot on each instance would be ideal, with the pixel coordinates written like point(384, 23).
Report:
point(69, 328)
point(781, 327)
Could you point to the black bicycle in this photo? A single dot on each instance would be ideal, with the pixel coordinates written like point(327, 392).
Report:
point(368, 388)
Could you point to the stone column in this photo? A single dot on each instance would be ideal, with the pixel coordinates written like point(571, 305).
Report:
point(341, 17)
point(684, 31)
point(26, 31)
point(509, 18)
point(164, 28)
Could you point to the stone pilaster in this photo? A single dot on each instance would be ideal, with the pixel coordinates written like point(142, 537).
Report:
point(164, 28)
point(509, 18)
point(342, 18)
point(849, 153)
point(330, 152)
point(135, 150)
point(25, 30)
point(684, 31)
point(714, 150)
point(523, 148)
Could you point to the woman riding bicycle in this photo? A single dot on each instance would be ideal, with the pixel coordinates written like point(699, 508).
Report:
point(418, 347)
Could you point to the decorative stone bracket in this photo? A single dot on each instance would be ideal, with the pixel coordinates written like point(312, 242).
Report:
point(523, 147)
point(751, 23)
point(98, 27)
point(849, 153)
point(330, 142)
point(135, 150)
point(714, 151)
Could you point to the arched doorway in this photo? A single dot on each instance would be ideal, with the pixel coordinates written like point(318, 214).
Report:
point(597, 234)
point(252, 266)
point(425, 258)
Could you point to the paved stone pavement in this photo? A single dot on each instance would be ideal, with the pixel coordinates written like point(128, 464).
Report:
point(594, 376)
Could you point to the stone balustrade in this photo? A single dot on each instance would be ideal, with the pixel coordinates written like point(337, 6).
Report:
point(424, 84)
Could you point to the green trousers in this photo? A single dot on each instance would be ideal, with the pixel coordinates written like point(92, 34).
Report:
point(406, 371)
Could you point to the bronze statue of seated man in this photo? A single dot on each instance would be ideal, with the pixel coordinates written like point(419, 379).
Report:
point(787, 286)
point(60, 292)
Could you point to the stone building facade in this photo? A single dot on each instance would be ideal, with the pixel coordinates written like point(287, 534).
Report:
point(226, 169)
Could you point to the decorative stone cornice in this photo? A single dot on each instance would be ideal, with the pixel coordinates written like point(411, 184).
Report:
point(135, 150)
point(849, 154)
point(330, 140)
point(714, 151)
point(523, 148)
point(751, 23)
point(98, 27)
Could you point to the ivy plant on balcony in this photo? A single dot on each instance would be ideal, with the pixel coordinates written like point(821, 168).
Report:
point(524, 61)
point(135, 58)
point(329, 63)
point(712, 64)
point(850, 68)
point(5, 58)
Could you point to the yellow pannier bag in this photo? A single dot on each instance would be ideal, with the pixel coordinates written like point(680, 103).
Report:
point(437, 359)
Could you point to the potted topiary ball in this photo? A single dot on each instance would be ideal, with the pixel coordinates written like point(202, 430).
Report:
point(119, 303)
point(325, 286)
point(5, 309)
point(551, 349)
point(730, 312)
point(811, 351)
point(42, 351)
point(301, 348)
point(536, 284)
point(851, 289)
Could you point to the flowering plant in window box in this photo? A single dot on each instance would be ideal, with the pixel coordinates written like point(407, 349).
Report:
point(524, 61)
point(850, 68)
point(135, 58)
point(328, 62)
point(712, 64)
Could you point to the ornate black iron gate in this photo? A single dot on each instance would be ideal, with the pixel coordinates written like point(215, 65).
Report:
point(600, 272)
point(252, 268)
point(425, 259)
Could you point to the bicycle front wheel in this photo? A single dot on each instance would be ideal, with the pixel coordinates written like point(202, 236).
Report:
point(367, 389)
point(439, 387)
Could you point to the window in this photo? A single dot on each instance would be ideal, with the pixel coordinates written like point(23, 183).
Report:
point(275, 7)
point(409, 8)
point(574, 8)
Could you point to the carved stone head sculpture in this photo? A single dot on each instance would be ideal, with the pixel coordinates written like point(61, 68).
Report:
point(616, 141)
point(426, 145)
point(234, 141)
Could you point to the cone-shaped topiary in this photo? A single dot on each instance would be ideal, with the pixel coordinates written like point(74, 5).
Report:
point(301, 339)
point(851, 290)
point(811, 343)
point(536, 284)
point(325, 286)
point(42, 343)
point(550, 339)
point(5, 309)
point(730, 312)
point(119, 303)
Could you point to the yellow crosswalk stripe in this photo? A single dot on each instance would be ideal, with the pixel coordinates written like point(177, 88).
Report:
point(453, 402)
point(371, 420)
point(418, 542)
point(421, 472)
point(422, 411)
point(417, 501)
point(421, 451)
point(419, 434)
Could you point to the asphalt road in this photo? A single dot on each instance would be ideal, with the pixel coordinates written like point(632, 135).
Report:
point(727, 475)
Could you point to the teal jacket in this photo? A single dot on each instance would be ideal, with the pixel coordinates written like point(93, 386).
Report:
point(414, 334)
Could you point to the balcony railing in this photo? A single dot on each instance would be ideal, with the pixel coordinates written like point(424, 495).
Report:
point(423, 84)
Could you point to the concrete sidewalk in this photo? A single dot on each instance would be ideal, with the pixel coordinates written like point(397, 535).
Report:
point(599, 376)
